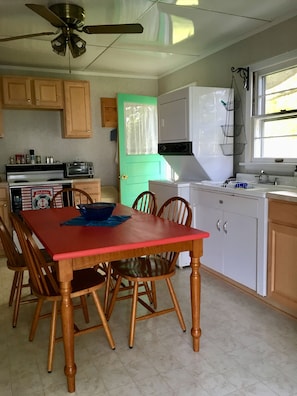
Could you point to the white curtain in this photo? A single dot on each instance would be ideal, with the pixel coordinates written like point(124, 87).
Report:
point(141, 125)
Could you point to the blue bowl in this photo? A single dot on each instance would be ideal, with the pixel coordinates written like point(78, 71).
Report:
point(96, 211)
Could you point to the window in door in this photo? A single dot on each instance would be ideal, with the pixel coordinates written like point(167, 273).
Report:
point(141, 118)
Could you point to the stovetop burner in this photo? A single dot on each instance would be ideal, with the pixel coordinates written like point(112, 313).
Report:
point(35, 174)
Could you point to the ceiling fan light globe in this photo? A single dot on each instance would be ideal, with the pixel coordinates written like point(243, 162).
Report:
point(77, 45)
point(59, 45)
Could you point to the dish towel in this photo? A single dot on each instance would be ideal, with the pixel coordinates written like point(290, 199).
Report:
point(112, 221)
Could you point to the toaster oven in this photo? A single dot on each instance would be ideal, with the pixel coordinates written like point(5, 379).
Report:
point(79, 169)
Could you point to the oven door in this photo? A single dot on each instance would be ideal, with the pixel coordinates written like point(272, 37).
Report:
point(34, 196)
point(16, 199)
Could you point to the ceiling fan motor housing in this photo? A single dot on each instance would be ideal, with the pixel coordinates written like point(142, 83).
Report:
point(73, 15)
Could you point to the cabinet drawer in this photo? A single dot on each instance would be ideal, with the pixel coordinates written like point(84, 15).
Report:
point(282, 212)
point(230, 203)
point(3, 193)
point(92, 187)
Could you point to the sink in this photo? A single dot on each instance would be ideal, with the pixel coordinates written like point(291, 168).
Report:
point(236, 184)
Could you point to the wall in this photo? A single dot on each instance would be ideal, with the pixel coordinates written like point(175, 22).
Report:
point(41, 130)
point(215, 70)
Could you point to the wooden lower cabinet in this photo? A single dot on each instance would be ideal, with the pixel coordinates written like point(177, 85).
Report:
point(91, 186)
point(282, 255)
point(4, 209)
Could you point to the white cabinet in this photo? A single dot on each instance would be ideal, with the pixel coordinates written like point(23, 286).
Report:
point(232, 222)
point(173, 114)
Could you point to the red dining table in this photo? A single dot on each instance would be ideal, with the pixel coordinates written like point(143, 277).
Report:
point(75, 247)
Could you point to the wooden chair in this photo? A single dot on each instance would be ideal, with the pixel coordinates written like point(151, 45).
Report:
point(152, 269)
point(16, 263)
point(45, 287)
point(145, 202)
point(70, 197)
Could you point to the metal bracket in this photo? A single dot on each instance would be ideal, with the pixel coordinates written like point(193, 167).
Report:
point(244, 73)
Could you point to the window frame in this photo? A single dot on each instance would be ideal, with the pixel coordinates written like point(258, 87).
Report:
point(267, 66)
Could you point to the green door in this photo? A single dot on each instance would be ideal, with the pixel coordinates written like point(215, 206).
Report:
point(139, 160)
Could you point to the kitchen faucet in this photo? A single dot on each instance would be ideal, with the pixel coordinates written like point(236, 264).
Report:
point(263, 177)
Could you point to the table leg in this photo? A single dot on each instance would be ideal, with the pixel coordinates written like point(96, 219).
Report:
point(65, 274)
point(195, 281)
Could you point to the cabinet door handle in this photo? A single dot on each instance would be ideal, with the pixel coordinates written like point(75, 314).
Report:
point(219, 225)
point(225, 227)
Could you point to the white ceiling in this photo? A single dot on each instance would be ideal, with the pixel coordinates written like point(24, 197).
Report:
point(215, 23)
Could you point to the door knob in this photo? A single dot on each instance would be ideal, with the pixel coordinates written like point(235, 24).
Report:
point(124, 177)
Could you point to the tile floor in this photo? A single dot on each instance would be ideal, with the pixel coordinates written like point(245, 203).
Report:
point(246, 349)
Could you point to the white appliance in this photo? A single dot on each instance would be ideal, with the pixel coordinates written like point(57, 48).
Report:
point(165, 189)
point(192, 122)
point(196, 132)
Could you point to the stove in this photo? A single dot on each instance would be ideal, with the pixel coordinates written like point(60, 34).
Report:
point(32, 186)
point(33, 174)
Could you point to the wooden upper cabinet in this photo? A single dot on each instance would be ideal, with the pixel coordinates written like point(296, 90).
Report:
point(109, 114)
point(17, 92)
point(77, 109)
point(26, 92)
point(48, 93)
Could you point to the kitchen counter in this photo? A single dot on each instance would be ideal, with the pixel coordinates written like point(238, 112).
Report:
point(257, 190)
point(289, 196)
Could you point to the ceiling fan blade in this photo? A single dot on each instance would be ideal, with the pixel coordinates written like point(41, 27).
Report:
point(47, 14)
point(114, 29)
point(26, 36)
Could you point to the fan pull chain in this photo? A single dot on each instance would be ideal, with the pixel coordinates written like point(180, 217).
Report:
point(69, 64)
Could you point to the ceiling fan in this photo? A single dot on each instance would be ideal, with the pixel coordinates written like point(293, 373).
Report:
point(69, 18)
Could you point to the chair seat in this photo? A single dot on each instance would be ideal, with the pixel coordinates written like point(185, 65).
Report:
point(83, 280)
point(143, 268)
point(17, 265)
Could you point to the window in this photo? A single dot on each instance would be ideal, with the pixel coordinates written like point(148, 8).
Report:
point(274, 112)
